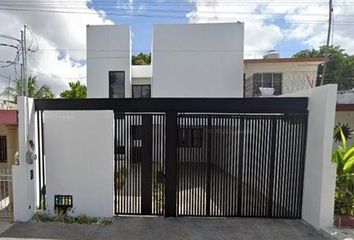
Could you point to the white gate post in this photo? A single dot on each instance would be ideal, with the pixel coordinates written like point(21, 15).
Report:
point(24, 173)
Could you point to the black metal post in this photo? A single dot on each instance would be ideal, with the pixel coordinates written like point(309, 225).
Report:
point(39, 160)
point(240, 166)
point(43, 190)
point(146, 166)
point(209, 135)
point(273, 142)
point(171, 164)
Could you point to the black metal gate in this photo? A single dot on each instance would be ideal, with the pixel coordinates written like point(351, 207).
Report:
point(139, 163)
point(240, 164)
point(202, 157)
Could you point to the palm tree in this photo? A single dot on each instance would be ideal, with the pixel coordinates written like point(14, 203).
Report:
point(33, 90)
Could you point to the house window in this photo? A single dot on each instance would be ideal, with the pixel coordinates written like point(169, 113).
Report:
point(3, 149)
point(141, 91)
point(267, 80)
point(190, 137)
point(116, 84)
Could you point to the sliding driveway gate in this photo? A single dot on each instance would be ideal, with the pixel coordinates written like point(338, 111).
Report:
point(202, 157)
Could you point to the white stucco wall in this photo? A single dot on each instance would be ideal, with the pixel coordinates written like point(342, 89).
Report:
point(24, 188)
point(108, 49)
point(198, 60)
point(79, 160)
point(320, 172)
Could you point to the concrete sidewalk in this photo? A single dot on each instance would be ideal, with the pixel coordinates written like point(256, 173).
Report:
point(170, 229)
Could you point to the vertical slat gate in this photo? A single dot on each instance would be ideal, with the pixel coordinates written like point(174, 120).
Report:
point(139, 162)
point(247, 165)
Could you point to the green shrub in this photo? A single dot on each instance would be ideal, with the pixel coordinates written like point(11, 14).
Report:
point(64, 218)
point(343, 156)
point(42, 217)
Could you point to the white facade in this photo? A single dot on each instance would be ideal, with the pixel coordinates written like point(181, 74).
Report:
point(188, 60)
point(198, 60)
point(79, 160)
point(24, 186)
point(320, 172)
point(141, 74)
point(108, 49)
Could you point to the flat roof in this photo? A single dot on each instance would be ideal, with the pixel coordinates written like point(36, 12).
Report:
point(286, 60)
point(345, 107)
point(8, 117)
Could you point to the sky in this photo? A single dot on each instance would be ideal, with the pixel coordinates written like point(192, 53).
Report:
point(57, 28)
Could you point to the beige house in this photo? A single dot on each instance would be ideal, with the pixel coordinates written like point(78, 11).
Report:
point(8, 137)
point(284, 75)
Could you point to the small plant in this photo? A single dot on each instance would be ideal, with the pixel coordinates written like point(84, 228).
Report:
point(343, 156)
point(42, 217)
point(121, 175)
point(159, 187)
point(345, 129)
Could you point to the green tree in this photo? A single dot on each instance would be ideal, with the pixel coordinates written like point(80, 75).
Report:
point(77, 90)
point(34, 91)
point(141, 59)
point(340, 66)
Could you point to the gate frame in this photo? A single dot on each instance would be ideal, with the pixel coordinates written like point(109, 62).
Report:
point(171, 107)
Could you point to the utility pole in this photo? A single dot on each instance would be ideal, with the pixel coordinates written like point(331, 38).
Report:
point(23, 50)
point(328, 40)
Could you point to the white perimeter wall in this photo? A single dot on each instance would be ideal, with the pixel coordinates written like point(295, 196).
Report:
point(198, 60)
point(108, 49)
point(24, 187)
point(320, 172)
point(79, 158)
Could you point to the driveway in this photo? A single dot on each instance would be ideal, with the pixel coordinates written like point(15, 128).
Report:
point(170, 228)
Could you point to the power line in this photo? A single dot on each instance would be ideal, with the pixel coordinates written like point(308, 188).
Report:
point(115, 3)
point(170, 16)
point(330, 9)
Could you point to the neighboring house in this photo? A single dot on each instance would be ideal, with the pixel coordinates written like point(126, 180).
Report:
point(8, 137)
point(284, 75)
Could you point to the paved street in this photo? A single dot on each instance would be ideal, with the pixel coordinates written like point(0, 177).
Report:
point(170, 228)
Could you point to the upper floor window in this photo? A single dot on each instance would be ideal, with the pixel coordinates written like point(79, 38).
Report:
point(267, 80)
point(3, 149)
point(141, 91)
point(116, 84)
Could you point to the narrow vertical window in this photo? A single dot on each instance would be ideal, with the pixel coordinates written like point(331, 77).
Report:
point(3, 149)
point(116, 84)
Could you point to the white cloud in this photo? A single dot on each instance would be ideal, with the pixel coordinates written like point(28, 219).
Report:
point(129, 6)
point(62, 39)
point(259, 35)
point(268, 23)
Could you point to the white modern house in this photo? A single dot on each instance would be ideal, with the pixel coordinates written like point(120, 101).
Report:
point(83, 144)
point(179, 56)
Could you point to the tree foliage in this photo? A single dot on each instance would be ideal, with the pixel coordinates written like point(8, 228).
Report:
point(340, 66)
point(34, 91)
point(141, 59)
point(77, 90)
